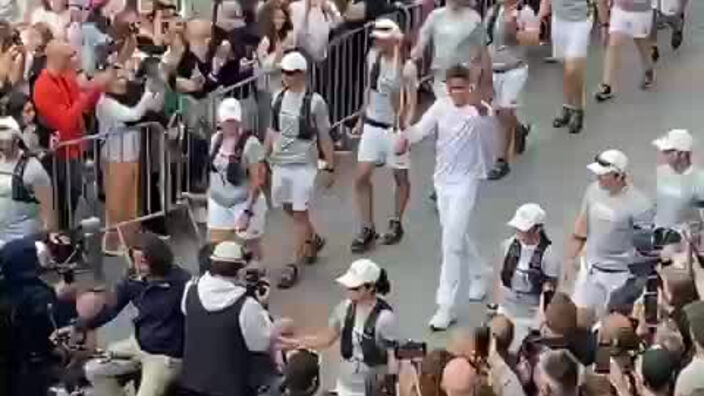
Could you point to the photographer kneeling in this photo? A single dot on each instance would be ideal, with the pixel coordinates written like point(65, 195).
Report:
point(227, 320)
point(366, 325)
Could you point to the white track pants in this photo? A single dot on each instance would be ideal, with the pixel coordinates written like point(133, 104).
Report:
point(459, 255)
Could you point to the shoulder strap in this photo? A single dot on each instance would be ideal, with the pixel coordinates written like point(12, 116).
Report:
point(216, 148)
point(537, 259)
point(370, 324)
point(242, 143)
point(491, 23)
point(19, 190)
point(347, 328)
point(375, 72)
point(510, 263)
point(276, 109)
point(307, 114)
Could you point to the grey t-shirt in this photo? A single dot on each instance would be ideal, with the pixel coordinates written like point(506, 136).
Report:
point(677, 194)
point(388, 85)
point(457, 36)
point(634, 5)
point(288, 148)
point(572, 10)
point(610, 225)
point(352, 373)
point(506, 53)
point(222, 191)
point(18, 219)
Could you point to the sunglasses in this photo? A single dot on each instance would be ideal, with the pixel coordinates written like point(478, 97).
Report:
point(291, 72)
point(354, 289)
point(601, 162)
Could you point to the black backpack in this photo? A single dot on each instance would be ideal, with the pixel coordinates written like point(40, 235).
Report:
point(306, 124)
point(235, 173)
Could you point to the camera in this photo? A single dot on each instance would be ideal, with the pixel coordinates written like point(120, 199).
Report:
point(651, 241)
point(255, 284)
point(411, 350)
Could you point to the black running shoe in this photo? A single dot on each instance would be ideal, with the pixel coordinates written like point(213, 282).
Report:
point(563, 119)
point(499, 171)
point(605, 93)
point(394, 234)
point(648, 79)
point(655, 53)
point(677, 38)
point(363, 242)
point(522, 132)
point(315, 245)
point(577, 122)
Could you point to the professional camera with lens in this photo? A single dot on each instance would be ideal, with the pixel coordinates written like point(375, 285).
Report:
point(411, 350)
point(255, 284)
point(652, 241)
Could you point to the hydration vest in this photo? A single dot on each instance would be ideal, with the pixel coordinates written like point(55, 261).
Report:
point(535, 269)
point(234, 172)
point(373, 355)
point(306, 125)
point(20, 192)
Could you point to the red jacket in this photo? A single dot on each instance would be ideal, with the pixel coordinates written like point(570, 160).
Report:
point(60, 106)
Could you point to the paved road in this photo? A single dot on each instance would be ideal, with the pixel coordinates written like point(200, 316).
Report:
point(551, 172)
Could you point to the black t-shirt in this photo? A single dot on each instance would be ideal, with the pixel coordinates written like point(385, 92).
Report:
point(190, 65)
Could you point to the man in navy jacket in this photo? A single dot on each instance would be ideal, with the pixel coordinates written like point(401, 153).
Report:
point(157, 343)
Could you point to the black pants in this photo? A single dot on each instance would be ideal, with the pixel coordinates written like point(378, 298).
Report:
point(68, 188)
point(29, 380)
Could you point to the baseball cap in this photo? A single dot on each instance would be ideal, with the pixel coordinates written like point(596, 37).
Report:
point(9, 128)
point(695, 316)
point(657, 367)
point(527, 216)
point(385, 28)
point(609, 161)
point(676, 139)
point(294, 61)
point(361, 272)
point(228, 252)
point(230, 109)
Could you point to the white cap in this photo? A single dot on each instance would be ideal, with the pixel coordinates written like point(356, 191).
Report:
point(361, 272)
point(527, 216)
point(676, 139)
point(228, 252)
point(294, 61)
point(609, 161)
point(385, 28)
point(9, 128)
point(230, 109)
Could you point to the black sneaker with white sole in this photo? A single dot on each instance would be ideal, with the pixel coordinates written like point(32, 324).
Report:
point(364, 241)
point(648, 79)
point(563, 119)
point(605, 93)
point(499, 171)
point(522, 131)
point(577, 122)
point(394, 234)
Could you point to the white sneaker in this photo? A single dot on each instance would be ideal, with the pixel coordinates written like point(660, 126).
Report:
point(443, 318)
point(477, 289)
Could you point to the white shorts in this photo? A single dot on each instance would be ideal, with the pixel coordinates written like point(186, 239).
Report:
point(593, 288)
point(632, 24)
point(570, 40)
point(377, 145)
point(293, 184)
point(224, 218)
point(508, 87)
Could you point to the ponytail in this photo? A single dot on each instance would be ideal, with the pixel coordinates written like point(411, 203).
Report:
point(382, 285)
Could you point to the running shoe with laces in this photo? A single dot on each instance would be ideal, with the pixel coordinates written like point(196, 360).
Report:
point(363, 242)
point(499, 171)
point(678, 34)
point(577, 122)
point(655, 53)
point(563, 119)
point(394, 234)
point(314, 246)
point(604, 93)
point(442, 319)
point(522, 131)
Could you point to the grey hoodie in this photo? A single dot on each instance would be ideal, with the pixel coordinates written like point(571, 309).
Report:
point(217, 293)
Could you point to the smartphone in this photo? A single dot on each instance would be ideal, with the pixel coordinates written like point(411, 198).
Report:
point(547, 297)
point(650, 301)
point(411, 350)
point(482, 337)
point(602, 361)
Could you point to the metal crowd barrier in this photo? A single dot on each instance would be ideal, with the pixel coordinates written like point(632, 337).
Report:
point(81, 178)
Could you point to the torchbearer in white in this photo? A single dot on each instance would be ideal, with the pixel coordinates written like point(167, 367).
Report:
point(463, 157)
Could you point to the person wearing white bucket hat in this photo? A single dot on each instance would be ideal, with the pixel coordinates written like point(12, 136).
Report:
point(390, 99)
point(366, 326)
point(26, 204)
point(236, 207)
point(611, 210)
point(680, 183)
point(529, 267)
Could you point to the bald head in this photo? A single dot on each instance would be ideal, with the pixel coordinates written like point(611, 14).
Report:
point(461, 343)
point(459, 378)
point(198, 30)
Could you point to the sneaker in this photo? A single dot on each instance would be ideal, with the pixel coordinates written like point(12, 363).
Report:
point(522, 132)
point(364, 240)
point(655, 53)
point(442, 320)
point(648, 79)
point(577, 122)
point(605, 93)
point(563, 119)
point(314, 245)
point(499, 171)
point(394, 234)
point(677, 38)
